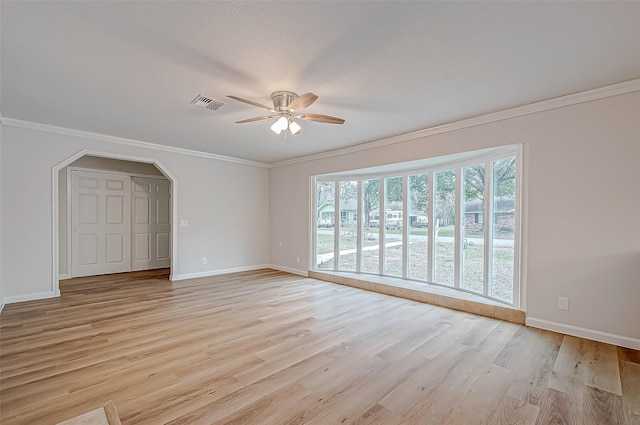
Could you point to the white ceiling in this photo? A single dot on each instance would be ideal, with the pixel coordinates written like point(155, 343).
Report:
point(130, 69)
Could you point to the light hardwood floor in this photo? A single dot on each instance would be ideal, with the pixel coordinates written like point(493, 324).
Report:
point(271, 348)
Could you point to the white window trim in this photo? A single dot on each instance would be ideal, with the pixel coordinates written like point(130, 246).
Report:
point(457, 165)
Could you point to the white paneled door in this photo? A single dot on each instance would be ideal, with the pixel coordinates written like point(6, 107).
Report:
point(151, 223)
point(100, 223)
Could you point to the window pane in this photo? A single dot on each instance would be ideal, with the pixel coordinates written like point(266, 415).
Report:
point(418, 226)
point(347, 241)
point(473, 228)
point(325, 204)
point(488, 269)
point(445, 208)
point(370, 262)
point(504, 226)
point(393, 226)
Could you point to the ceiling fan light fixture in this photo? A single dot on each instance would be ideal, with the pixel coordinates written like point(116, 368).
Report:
point(294, 127)
point(280, 125)
point(276, 128)
point(286, 106)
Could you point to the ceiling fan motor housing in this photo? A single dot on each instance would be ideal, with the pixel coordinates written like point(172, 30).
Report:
point(281, 99)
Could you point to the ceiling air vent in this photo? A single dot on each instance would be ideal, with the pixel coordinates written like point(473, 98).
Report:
point(207, 102)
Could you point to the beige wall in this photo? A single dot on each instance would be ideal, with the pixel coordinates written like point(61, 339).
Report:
point(1, 213)
point(582, 234)
point(110, 164)
point(217, 197)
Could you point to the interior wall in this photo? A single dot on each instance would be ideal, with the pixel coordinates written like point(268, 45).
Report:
point(1, 214)
point(580, 208)
point(95, 163)
point(118, 165)
point(218, 198)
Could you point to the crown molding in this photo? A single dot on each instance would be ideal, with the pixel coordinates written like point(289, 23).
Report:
point(532, 108)
point(12, 122)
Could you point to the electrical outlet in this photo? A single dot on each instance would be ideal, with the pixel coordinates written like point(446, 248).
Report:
point(298, 260)
point(280, 244)
point(563, 303)
point(204, 260)
point(184, 222)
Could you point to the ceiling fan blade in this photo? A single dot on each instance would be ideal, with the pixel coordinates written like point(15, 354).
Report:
point(321, 118)
point(265, 117)
point(251, 102)
point(302, 102)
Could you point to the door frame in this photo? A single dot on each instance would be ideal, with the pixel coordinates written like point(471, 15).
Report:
point(55, 265)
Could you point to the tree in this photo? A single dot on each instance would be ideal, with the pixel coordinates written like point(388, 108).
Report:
point(371, 196)
point(325, 192)
point(445, 188)
point(419, 192)
point(474, 182)
point(504, 179)
point(348, 191)
point(393, 189)
point(504, 176)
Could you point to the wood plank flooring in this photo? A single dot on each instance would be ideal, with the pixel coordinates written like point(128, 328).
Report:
point(271, 348)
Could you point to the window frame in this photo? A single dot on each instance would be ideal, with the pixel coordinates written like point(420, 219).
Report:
point(487, 157)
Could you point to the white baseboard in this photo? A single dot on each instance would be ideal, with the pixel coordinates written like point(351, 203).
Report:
point(288, 270)
point(623, 341)
point(64, 276)
point(28, 297)
point(175, 277)
point(206, 273)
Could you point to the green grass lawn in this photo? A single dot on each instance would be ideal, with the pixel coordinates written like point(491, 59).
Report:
point(324, 243)
point(447, 231)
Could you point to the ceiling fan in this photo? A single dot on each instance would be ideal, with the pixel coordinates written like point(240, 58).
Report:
point(287, 106)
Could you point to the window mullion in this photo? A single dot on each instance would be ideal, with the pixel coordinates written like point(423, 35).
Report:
point(405, 227)
point(431, 242)
point(457, 264)
point(313, 188)
point(381, 224)
point(516, 239)
point(488, 227)
point(359, 223)
point(336, 226)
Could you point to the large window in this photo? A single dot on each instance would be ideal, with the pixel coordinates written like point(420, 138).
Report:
point(452, 222)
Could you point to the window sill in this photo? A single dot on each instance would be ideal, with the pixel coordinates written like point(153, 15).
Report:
point(424, 292)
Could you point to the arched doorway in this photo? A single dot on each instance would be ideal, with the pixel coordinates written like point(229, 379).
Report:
point(140, 169)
